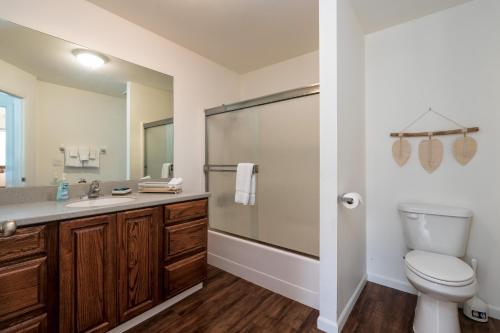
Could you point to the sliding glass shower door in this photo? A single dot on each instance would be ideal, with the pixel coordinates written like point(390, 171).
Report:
point(282, 138)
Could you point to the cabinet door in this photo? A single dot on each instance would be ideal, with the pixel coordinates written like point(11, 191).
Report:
point(88, 274)
point(138, 260)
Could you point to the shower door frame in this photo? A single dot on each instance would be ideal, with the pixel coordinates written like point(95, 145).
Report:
point(313, 89)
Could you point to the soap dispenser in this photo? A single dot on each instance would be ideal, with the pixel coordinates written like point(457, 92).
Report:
point(62, 189)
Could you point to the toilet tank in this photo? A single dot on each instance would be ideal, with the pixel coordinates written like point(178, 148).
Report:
point(434, 228)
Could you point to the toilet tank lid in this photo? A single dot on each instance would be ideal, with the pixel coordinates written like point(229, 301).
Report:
point(421, 208)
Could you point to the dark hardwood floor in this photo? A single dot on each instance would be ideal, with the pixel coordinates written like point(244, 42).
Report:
point(231, 304)
point(384, 310)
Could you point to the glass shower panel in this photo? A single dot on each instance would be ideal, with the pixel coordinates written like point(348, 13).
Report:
point(283, 139)
point(232, 138)
point(288, 186)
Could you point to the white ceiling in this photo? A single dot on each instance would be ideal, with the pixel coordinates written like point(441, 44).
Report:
point(50, 59)
point(380, 14)
point(245, 35)
point(242, 35)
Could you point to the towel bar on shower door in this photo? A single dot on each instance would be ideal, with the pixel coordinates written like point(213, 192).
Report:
point(225, 168)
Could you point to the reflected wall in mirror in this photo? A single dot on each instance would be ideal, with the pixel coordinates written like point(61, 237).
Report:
point(66, 110)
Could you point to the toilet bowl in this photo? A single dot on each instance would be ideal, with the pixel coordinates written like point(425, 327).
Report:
point(437, 237)
point(442, 282)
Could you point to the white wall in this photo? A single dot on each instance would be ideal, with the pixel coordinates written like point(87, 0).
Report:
point(293, 73)
point(71, 117)
point(198, 82)
point(351, 158)
point(450, 61)
point(145, 105)
point(327, 320)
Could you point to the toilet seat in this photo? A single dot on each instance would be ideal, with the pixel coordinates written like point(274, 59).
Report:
point(438, 268)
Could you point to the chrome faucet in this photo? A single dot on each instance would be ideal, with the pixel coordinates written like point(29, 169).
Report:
point(94, 190)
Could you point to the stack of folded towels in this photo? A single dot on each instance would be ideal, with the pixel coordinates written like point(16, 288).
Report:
point(173, 186)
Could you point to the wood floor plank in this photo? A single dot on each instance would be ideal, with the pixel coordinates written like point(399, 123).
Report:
point(230, 304)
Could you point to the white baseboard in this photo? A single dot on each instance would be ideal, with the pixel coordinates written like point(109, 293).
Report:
point(326, 325)
point(157, 309)
point(344, 315)
point(392, 283)
point(279, 286)
point(494, 311)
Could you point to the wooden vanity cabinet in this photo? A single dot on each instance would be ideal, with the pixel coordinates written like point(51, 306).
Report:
point(88, 275)
point(28, 280)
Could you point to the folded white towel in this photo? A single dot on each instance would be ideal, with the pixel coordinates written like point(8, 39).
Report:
point(83, 153)
point(73, 151)
point(245, 184)
point(153, 184)
point(176, 181)
point(93, 161)
point(93, 154)
point(71, 157)
point(165, 170)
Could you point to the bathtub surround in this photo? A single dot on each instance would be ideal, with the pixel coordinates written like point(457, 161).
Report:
point(449, 61)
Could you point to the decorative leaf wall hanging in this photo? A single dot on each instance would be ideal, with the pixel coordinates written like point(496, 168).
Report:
point(430, 151)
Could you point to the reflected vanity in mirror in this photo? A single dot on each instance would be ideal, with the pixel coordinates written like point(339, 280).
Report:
point(66, 110)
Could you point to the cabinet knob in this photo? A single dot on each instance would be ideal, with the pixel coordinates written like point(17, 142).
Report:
point(7, 228)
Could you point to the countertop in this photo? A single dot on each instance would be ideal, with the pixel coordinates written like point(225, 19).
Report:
point(47, 211)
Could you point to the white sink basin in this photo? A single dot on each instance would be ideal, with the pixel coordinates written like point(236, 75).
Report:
point(99, 202)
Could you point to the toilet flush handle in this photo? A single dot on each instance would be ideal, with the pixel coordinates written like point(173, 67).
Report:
point(412, 216)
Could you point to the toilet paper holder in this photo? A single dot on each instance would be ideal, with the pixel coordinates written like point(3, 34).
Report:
point(345, 199)
point(350, 200)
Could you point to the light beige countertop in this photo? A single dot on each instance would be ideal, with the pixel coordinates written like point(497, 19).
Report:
point(47, 211)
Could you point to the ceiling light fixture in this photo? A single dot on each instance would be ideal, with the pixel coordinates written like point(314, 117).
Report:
point(89, 58)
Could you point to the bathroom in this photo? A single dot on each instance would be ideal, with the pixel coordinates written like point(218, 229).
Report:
point(307, 91)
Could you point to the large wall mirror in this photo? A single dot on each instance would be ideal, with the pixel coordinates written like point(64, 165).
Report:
point(66, 110)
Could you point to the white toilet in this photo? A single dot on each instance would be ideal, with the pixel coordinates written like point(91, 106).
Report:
point(437, 236)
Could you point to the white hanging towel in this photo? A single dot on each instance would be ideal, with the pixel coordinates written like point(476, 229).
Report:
point(165, 170)
point(94, 159)
point(71, 158)
point(245, 184)
point(83, 153)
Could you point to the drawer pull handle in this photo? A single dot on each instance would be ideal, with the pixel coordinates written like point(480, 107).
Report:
point(7, 228)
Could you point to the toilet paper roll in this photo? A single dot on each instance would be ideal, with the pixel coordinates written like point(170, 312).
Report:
point(351, 200)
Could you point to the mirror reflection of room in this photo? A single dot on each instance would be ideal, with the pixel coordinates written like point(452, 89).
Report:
point(76, 114)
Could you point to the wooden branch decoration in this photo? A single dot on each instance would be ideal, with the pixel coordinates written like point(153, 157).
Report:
point(436, 133)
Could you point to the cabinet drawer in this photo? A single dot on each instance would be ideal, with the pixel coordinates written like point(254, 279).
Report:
point(184, 238)
point(185, 273)
point(33, 325)
point(186, 211)
point(25, 242)
point(22, 288)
